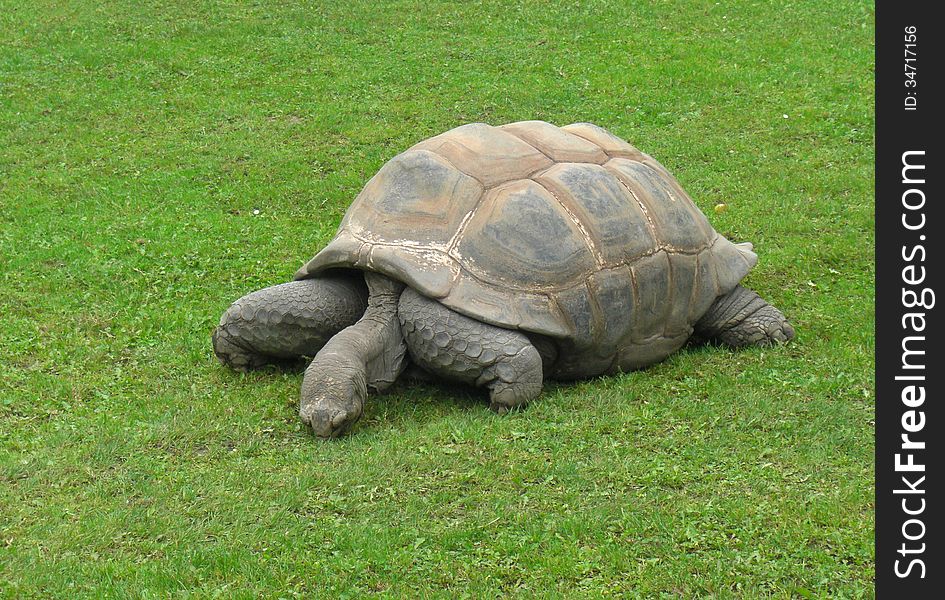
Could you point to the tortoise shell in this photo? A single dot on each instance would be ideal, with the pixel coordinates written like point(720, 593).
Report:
point(568, 232)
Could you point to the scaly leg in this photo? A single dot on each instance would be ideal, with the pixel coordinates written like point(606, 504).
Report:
point(457, 347)
point(741, 318)
point(287, 321)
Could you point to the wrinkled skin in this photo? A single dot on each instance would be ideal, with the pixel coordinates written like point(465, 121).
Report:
point(741, 319)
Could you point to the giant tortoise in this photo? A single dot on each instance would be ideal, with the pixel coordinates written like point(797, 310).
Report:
point(501, 256)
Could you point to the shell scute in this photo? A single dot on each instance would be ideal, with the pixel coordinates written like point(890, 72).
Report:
point(613, 290)
point(487, 153)
point(608, 212)
point(651, 287)
point(556, 143)
point(682, 275)
point(519, 237)
point(425, 194)
point(678, 223)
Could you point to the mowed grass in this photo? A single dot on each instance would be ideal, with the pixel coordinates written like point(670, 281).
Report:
point(139, 140)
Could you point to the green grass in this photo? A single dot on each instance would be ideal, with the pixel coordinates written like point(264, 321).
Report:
point(138, 139)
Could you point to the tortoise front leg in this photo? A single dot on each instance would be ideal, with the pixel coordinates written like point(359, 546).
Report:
point(457, 347)
point(287, 321)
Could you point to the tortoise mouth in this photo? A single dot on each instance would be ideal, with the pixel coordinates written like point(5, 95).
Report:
point(331, 412)
point(332, 417)
point(333, 394)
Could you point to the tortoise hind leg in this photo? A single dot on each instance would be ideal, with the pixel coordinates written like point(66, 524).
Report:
point(462, 349)
point(742, 318)
point(287, 321)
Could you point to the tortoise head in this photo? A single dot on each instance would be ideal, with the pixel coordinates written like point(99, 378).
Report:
point(332, 401)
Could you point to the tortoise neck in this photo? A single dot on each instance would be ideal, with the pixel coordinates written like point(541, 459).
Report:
point(372, 349)
point(370, 353)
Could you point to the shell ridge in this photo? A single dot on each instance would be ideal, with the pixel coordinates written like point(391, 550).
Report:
point(530, 136)
point(611, 145)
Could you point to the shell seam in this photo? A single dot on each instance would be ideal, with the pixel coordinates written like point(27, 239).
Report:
point(577, 222)
point(543, 289)
point(397, 244)
point(464, 222)
point(448, 252)
point(453, 164)
point(584, 137)
point(646, 211)
point(525, 141)
point(659, 175)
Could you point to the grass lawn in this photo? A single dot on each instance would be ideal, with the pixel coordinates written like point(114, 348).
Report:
point(160, 159)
